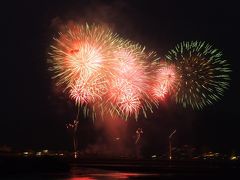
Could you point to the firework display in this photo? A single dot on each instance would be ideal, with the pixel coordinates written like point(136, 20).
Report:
point(203, 73)
point(109, 77)
point(102, 71)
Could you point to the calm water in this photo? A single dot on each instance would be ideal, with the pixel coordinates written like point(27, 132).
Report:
point(128, 170)
point(79, 173)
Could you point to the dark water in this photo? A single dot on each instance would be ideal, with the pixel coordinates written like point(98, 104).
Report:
point(80, 173)
point(55, 169)
point(92, 174)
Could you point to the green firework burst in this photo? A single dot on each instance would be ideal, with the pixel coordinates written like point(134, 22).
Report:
point(203, 73)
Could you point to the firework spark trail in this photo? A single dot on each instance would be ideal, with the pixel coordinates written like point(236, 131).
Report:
point(127, 94)
point(124, 98)
point(125, 90)
point(131, 83)
point(203, 74)
point(165, 82)
point(88, 90)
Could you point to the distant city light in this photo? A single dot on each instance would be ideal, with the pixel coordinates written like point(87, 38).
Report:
point(45, 151)
point(38, 153)
point(233, 158)
point(154, 156)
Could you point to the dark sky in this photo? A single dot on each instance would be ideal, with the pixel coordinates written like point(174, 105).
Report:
point(33, 116)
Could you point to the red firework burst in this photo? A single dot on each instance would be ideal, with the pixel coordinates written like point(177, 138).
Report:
point(127, 93)
point(166, 79)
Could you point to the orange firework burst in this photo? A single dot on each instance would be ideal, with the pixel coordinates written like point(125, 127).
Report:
point(80, 60)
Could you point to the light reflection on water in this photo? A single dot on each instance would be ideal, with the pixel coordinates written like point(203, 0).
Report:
point(94, 174)
point(80, 173)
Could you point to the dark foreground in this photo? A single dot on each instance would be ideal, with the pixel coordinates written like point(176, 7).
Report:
point(52, 168)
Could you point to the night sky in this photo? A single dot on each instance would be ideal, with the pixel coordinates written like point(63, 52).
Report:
point(33, 115)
